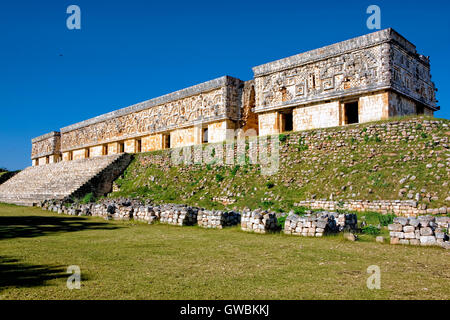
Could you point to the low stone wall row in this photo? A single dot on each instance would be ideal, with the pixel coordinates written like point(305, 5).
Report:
point(317, 225)
point(423, 230)
point(407, 208)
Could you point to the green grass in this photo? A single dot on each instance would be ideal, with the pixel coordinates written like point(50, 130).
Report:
point(129, 260)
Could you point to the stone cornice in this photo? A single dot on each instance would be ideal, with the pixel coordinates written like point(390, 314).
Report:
point(46, 136)
point(365, 41)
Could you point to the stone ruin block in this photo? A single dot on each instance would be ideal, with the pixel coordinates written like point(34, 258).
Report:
point(259, 221)
point(423, 230)
point(178, 215)
point(217, 219)
point(147, 214)
point(318, 224)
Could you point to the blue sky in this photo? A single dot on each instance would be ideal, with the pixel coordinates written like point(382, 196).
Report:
point(130, 51)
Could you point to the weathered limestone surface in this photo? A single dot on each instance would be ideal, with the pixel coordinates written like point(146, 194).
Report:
point(318, 224)
point(217, 219)
point(154, 142)
point(381, 71)
point(47, 145)
point(321, 115)
point(360, 65)
point(259, 221)
point(178, 215)
point(421, 230)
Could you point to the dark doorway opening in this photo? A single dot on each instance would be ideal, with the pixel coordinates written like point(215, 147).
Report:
point(351, 113)
point(166, 142)
point(121, 147)
point(138, 145)
point(205, 135)
point(288, 124)
point(286, 121)
point(419, 109)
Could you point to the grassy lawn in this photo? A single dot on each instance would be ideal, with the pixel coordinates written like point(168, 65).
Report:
point(129, 260)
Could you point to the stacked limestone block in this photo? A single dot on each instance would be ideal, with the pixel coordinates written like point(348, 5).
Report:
point(217, 219)
point(423, 230)
point(146, 213)
point(259, 221)
point(316, 225)
point(178, 215)
point(309, 226)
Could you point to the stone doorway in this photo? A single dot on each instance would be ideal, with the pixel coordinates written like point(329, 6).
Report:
point(205, 135)
point(286, 121)
point(351, 114)
point(138, 145)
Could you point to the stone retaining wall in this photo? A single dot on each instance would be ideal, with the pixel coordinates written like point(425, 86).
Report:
point(406, 208)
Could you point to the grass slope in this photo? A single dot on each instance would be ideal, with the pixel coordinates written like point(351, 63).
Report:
point(128, 260)
point(370, 167)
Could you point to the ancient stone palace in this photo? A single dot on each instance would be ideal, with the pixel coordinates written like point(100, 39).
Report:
point(372, 77)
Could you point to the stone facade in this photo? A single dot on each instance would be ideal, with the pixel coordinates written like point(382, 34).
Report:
point(46, 148)
point(369, 78)
point(379, 75)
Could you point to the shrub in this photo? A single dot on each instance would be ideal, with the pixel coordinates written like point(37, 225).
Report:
point(387, 219)
point(423, 135)
point(299, 211)
point(270, 184)
point(282, 137)
point(281, 221)
point(371, 230)
point(88, 198)
point(366, 138)
point(266, 204)
point(235, 170)
point(302, 146)
point(219, 177)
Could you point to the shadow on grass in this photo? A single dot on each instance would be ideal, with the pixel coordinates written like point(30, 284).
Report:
point(16, 274)
point(35, 226)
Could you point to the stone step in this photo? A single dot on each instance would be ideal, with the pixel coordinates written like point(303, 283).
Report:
point(57, 180)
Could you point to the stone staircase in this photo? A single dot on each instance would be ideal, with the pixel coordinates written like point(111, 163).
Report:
point(64, 179)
